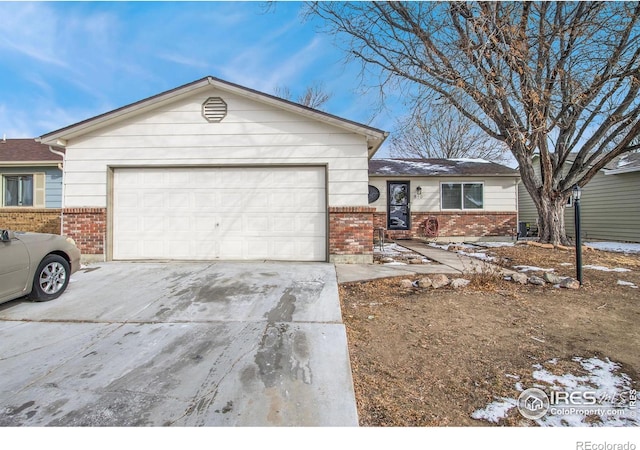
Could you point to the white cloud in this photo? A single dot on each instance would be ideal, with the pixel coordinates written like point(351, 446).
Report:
point(30, 29)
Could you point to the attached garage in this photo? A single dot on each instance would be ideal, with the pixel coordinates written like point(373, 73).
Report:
point(216, 171)
point(230, 213)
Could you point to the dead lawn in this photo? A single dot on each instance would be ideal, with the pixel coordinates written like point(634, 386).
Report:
point(433, 357)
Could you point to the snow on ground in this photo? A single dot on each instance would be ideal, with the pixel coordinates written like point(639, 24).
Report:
point(482, 256)
point(619, 247)
point(532, 269)
point(612, 394)
point(391, 250)
point(478, 255)
point(443, 247)
point(606, 269)
point(627, 283)
point(495, 244)
point(495, 410)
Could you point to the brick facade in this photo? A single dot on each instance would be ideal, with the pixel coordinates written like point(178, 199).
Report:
point(351, 234)
point(38, 220)
point(88, 227)
point(456, 224)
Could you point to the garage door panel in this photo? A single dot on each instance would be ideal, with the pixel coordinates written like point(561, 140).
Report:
point(220, 213)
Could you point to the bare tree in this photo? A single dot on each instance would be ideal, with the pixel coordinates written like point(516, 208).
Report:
point(444, 133)
point(314, 96)
point(556, 79)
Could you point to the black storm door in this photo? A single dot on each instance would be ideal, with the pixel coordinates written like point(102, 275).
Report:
point(398, 205)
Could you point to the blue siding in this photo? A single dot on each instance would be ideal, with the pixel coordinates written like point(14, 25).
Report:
point(53, 187)
point(53, 182)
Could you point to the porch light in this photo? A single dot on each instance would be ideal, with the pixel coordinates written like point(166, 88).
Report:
point(418, 191)
point(577, 192)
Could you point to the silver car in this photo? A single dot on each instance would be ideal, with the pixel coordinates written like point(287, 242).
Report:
point(35, 264)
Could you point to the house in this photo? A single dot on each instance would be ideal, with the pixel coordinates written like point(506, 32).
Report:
point(31, 182)
point(609, 207)
point(214, 170)
point(468, 199)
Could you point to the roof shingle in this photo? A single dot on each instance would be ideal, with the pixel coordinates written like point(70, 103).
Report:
point(25, 150)
point(438, 167)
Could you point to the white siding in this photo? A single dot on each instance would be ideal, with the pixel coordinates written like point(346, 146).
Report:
point(500, 193)
point(251, 134)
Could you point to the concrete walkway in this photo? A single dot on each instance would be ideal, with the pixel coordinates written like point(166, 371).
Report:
point(448, 263)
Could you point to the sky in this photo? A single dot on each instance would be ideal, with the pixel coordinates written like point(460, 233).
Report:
point(64, 62)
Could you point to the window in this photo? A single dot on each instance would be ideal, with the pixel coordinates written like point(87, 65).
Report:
point(22, 190)
point(462, 195)
point(18, 190)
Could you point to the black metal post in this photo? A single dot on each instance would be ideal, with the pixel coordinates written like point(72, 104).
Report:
point(576, 207)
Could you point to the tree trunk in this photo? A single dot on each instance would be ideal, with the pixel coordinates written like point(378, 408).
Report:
point(551, 220)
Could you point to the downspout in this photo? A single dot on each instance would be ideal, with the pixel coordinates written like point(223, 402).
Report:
point(61, 167)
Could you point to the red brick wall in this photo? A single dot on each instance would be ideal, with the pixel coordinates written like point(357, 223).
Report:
point(460, 223)
point(39, 220)
point(351, 230)
point(88, 227)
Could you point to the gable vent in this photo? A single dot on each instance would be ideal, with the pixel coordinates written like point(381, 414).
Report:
point(214, 109)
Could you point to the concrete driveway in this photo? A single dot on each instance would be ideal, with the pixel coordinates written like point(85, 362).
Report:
point(183, 344)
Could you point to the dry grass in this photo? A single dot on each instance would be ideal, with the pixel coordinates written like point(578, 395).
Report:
point(432, 357)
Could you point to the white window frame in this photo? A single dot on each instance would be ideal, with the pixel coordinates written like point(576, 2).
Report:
point(462, 208)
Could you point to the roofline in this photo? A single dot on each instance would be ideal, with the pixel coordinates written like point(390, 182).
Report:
point(53, 163)
point(621, 170)
point(375, 137)
point(605, 170)
point(447, 175)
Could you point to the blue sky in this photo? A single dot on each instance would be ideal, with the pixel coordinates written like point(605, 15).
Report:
point(66, 62)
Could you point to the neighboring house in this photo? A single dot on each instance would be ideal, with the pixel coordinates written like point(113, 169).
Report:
point(470, 199)
point(31, 182)
point(609, 206)
point(214, 170)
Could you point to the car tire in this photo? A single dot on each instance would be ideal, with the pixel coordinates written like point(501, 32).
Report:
point(51, 278)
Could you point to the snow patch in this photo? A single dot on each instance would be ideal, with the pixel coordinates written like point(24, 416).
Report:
point(606, 269)
point(627, 283)
point(470, 160)
point(496, 410)
point(618, 247)
point(494, 244)
point(612, 389)
point(482, 256)
point(532, 269)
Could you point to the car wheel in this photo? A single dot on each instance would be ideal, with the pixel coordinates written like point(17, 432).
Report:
point(51, 278)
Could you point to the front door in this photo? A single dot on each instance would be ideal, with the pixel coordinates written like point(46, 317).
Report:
point(398, 205)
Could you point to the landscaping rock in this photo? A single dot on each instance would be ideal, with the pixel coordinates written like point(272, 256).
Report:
point(536, 280)
point(570, 283)
point(551, 278)
point(519, 278)
point(439, 280)
point(415, 261)
point(459, 283)
point(387, 259)
point(424, 282)
point(406, 284)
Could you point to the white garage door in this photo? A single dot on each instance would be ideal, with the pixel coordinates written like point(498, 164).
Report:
point(258, 213)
